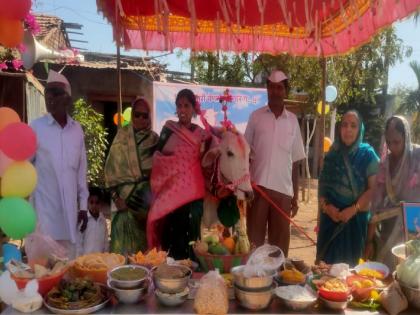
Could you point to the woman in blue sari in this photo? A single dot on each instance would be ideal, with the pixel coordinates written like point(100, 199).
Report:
point(345, 189)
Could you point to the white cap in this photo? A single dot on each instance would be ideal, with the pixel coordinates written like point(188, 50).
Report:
point(277, 76)
point(54, 76)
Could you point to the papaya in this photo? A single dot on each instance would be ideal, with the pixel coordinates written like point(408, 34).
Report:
point(218, 249)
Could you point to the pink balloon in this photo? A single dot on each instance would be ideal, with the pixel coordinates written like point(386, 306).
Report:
point(18, 141)
point(5, 161)
point(18, 10)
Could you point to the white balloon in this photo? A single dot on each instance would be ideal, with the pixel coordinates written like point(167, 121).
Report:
point(330, 93)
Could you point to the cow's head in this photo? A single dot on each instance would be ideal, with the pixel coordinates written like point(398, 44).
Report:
point(233, 154)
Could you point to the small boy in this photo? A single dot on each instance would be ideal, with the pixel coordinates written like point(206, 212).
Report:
point(95, 237)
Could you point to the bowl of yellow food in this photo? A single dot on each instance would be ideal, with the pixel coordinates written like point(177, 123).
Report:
point(291, 276)
point(372, 269)
point(95, 266)
point(334, 290)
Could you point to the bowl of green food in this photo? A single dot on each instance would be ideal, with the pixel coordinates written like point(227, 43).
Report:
point(128, 276)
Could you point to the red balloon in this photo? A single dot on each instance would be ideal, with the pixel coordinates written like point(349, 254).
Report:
point(18, 141)
point(18, 10)
point(11, 32)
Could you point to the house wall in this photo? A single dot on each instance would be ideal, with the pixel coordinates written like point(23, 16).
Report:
point(95, 84)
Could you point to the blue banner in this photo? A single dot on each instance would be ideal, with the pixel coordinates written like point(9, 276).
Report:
point(244, 102)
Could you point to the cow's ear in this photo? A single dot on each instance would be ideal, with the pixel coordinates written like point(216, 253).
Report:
point(210, 156)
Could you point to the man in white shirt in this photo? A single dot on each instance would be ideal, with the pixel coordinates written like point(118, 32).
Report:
point(274, 136)
point(60, 198)
point(95, 238)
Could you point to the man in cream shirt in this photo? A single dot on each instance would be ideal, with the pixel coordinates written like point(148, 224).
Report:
point(274, 136)
point(60, 197)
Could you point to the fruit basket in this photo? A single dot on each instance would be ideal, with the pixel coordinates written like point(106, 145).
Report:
point(223, 250)
point(222, 262)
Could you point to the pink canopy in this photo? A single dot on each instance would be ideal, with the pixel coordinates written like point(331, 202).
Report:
point(298, 27)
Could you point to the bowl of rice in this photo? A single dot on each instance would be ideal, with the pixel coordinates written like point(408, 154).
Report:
point(296, 297)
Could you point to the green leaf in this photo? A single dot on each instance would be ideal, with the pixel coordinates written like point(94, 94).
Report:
point(95, 140)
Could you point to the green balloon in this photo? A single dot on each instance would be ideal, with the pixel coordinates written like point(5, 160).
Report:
point(125, 123)
point(127, 114)
point(17, 217)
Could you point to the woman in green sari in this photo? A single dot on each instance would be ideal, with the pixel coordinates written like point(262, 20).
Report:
point(127, 172)
point(345, 189)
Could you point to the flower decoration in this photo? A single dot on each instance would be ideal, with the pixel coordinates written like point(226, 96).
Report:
point(32, 25)
point(224, 100)
point(3, 66)
point(17, 64)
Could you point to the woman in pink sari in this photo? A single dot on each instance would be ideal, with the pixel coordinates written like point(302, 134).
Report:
point(177, 182)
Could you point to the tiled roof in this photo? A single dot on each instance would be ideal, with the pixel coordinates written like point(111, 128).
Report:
point(93, 60)
point(52, 33)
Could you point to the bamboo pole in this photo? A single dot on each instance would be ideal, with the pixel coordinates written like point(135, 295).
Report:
point(322, 133)
point(118, 41)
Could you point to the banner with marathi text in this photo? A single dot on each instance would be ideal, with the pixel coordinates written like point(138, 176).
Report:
point(244, 102)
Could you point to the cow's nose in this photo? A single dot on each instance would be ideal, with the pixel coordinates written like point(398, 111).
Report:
point(249, 195)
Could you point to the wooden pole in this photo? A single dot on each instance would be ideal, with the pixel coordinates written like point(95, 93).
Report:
point(118, 41)
point(322, 133)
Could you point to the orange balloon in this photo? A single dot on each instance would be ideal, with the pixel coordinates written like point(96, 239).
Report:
point(11, 32)
point(327, 144)
point(7, 116)
point(116, 119)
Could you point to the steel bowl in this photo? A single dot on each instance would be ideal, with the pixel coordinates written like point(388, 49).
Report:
point(127, 284)
point(335, 305)
point(172, 299)
point(129, 296)
point(399, 252)
point(254, 300)
point(170, 285)
point(293, 303)
point(251, 283)
point(412, 295)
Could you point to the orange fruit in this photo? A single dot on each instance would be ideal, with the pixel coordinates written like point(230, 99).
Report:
point(229, 243)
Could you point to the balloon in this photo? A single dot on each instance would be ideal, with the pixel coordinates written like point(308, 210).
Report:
point(19, 180)
point(116, 119)
point(11, 32)
point(319, 108)
point(17, 217)
point(125, 123)
point(327, 144)
point(127, 114)
point(18, 141)
point(5, 161)
point(19, 10)
point(330, 93)
point(7, 116)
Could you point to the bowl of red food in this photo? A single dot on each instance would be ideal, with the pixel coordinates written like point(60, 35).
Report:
point(334, 290)
point(45, 283)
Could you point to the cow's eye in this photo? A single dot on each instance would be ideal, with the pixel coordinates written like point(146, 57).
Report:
point(230, 153)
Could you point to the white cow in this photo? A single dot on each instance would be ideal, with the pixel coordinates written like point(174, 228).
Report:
point(229, 161)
